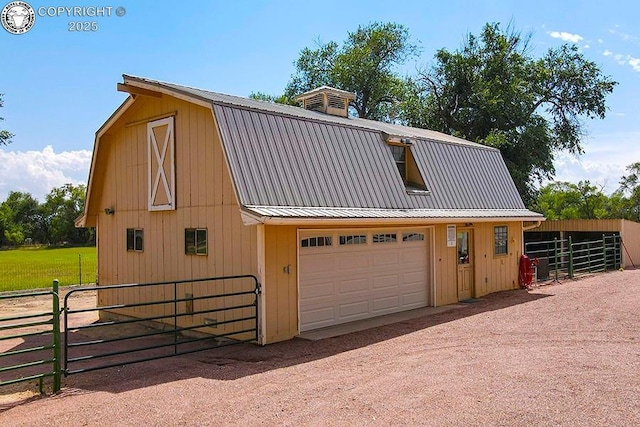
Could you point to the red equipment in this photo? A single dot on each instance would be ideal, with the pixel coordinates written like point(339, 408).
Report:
point(526, 271)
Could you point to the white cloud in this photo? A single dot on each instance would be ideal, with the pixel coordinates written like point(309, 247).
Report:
point(634, 63)
point(586, 46)
point(567, 37)
point(604, 162)
point(621, 59)
point(623, 36)
point(37, 172)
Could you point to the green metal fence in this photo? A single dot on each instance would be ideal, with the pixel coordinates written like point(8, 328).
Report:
point(564, 258)
point(34, 342)
point(96, 346)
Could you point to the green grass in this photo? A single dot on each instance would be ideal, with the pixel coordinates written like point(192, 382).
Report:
point(32, 268)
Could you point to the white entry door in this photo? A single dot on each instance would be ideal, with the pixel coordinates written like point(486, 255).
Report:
point(347, 275)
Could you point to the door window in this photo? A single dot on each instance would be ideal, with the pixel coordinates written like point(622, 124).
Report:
point(463, 247)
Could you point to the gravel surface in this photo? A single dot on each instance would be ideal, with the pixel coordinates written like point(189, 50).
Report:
point(564, 354)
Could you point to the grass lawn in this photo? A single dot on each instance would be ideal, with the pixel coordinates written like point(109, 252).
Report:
point(29, 268)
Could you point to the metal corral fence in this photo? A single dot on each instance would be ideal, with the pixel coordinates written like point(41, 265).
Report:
point(158, 320)
point(34, 342)
point(563, 258)
point(148, 321)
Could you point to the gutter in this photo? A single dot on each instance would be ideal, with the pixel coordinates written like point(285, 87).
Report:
point(253, 219)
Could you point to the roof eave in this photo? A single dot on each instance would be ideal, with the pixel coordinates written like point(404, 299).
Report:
point(252, 218)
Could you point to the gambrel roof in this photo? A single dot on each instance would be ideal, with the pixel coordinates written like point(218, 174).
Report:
point(287, 162)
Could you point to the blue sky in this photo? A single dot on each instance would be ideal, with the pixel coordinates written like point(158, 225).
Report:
point(60, 86)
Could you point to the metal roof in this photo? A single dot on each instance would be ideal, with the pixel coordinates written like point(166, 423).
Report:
point(289, 110)
point(290, 162)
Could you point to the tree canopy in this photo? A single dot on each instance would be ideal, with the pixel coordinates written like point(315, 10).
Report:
point(566, 200)
point(364, 64)
point(23, 218)
point(493, 91)
point(630, 188)
point(5, 135)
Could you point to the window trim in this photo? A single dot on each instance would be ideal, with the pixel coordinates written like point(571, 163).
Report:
point(158, 154)
point(196, 241)
point(498, 243)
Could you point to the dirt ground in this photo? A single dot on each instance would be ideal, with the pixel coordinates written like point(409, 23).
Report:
point(565, 354)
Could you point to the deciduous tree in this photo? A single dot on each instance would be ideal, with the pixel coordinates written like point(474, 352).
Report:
point(493, 91)
point(364, 64)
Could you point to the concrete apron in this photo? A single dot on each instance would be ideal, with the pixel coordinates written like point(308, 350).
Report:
point(361, 325)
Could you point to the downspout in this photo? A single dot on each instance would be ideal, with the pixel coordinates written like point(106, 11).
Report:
point(531, 227)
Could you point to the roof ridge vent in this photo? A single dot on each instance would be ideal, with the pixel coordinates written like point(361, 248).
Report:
point(327, 100)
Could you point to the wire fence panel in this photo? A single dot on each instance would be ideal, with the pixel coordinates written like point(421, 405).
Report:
point(73, 269)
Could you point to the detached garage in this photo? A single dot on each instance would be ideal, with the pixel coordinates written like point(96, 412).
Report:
point(339, 218)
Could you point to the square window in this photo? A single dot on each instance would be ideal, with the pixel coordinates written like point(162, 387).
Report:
point(195, 241)
point(135, 239)
point(500, 239)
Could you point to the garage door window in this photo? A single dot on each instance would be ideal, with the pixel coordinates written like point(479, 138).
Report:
point(313, 242)
point(412, 237)
point(356, 239)
point(385, 238)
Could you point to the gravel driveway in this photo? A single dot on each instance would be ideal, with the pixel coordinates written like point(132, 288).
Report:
point(566, 354)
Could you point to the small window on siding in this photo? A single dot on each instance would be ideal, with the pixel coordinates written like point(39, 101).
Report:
point(385, 238)
point(135, 239)
point(358, 239)
point(500, 239)
point(312, 242)
point(195, 241)
point(412, 237)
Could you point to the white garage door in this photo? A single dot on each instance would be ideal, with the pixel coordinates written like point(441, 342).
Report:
point(348, 275)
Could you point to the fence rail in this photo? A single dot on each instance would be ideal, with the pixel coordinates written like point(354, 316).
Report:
point(213, 318)
point(564, 258)
point(39, 334)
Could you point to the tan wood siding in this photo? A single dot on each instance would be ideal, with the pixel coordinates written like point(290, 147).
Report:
point(496, 273)
point(204, 199)
point(280, 292)
point(446, 268)
point(630, 232)
point(492, 273)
